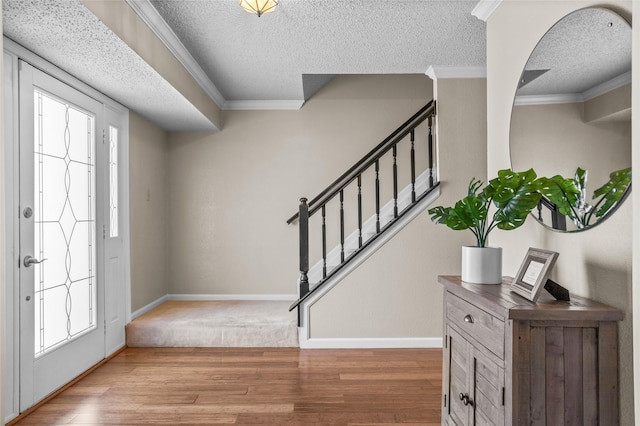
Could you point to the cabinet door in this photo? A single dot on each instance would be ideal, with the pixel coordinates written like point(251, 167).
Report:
point(488, 390)
point(457, 381)
point(473, 384)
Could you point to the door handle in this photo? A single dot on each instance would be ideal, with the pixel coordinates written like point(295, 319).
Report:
point(28, 261)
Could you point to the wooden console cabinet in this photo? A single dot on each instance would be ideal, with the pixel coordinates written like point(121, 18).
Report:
point(509, 361)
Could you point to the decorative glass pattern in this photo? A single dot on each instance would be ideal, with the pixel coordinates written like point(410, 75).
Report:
point(64, 221)
point(113, 181)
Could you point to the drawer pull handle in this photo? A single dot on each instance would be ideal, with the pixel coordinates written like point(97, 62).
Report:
point(468, 319)
point(465, 399)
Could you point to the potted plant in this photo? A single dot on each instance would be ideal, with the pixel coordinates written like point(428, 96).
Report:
point(513, 195)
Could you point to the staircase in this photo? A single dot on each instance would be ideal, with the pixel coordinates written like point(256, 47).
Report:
point(404, 163)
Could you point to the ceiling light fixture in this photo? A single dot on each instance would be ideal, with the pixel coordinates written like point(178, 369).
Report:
point(259, 7)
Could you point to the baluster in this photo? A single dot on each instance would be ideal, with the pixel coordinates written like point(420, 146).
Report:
point(341, 225)
point(413, 168)
point(303, 217)
point(540, 211)
point(324, 242)
point(431, 151)
point(359, 210)
point(395, 181)
point(377, 196)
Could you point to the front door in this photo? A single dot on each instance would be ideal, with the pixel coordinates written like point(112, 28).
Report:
point(61, 242)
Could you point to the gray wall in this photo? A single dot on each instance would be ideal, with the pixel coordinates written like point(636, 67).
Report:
point(554, 139)
point(232, 192)
point(148, 176)
point(395, 293)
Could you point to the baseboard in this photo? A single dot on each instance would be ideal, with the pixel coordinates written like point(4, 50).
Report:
point(371, 343)
point(214, 297)
point(149, 307)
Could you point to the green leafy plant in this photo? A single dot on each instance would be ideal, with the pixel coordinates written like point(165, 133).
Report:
point(512, 194)
point(569, 194)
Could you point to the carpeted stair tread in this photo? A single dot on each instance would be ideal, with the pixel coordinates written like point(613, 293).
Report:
point(215, 324)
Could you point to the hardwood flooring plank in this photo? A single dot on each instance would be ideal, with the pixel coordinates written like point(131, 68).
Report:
point(281, 386)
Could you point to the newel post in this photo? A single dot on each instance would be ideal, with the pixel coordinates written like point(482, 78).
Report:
point(430, 147)
point(303, 220)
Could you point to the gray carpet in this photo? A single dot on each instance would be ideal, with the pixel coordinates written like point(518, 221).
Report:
point(215, 324)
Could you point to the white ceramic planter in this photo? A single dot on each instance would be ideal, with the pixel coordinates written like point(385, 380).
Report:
point(482, 265)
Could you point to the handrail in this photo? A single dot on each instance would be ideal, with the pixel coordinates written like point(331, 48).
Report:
point(368, 160)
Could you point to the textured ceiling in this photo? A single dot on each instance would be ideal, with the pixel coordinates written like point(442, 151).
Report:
point(291, 53)
point(251, 58)
point(583, 50)
point(286, 55)
point(67, 34)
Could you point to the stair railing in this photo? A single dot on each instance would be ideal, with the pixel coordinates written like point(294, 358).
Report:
point(558, 220)
point(354, 175)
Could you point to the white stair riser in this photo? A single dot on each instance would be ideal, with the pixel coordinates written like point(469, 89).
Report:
point(368, 229)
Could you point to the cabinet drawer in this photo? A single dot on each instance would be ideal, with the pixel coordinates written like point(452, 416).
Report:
point(481, 325)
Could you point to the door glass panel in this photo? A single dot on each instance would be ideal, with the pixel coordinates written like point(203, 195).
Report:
point(64, 217)
point(113, 181)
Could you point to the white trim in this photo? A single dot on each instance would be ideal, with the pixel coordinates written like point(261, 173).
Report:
point(145, 10)
point(10, 188)
point(149, 307)
point(263, 105)
point(118, 314)
point(485, 8)
point(568, 98)
point(215, 297)
point(607, 86)
point(364, 343)
point(125, 188)
point(436, 72)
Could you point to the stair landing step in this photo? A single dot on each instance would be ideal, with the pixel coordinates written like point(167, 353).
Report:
point(215, 324)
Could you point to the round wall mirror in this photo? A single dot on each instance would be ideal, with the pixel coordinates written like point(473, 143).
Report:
point(572, 116)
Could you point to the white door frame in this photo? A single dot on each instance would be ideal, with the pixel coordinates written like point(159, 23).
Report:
point(115, 336)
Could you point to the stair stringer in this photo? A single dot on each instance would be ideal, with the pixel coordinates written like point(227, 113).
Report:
point(369, 227)
point(305, 307)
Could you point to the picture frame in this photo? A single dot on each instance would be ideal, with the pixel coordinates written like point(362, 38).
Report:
point(533, 273)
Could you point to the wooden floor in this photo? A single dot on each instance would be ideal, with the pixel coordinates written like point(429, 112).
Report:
point(286, 386)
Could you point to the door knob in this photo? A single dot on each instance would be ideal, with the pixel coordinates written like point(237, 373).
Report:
point(28, 261)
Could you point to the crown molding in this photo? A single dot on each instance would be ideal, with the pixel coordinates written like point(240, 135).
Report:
point(145, 10)
point(263, 105)
point(485, 8)
point(607, 86)
point(436, 72)
point(567, 98)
